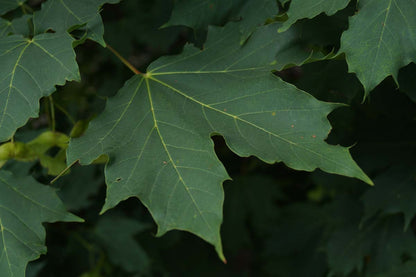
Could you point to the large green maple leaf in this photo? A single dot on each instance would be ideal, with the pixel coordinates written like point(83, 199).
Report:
point(157, 130)
point(310, 8)
point(380, 40)
point(24, 206)
point(29, 70)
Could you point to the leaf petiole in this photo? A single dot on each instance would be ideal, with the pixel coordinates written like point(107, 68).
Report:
point(123, 60)
point(52, 112)
point(63, 172)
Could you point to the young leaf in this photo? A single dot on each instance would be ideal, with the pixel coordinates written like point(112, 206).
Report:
point(380, 40)
point(29, 70)
point(24, 206)
point(310, 8)
point(157, 130)
point(9, 5)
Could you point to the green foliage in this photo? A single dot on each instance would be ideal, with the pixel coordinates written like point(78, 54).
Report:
point(116, 231)
point(9, 5)
point(380, 40)
point(309, 9)
point(62, 16)
point(30, 69)
point(262, 92)
point(25, 205)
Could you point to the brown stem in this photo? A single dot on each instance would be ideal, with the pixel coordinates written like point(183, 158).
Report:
point(123, 60)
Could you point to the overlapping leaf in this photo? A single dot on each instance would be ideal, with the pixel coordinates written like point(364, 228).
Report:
point(156, 130)
point(201, 13)
point(254, 13)
point(24, 206)
point(18, 26)
point(380, 40)
point(310, 8)
point(66, 15)
point(29, 70)
point(9, 5)
point(4, 27)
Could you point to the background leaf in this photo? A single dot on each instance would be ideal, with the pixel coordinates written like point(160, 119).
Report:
point(25, 205)
point(308, 9)
point(64, 15)
point(116, 234)
point(393, 193)
point(9, 5)
point(380, 40)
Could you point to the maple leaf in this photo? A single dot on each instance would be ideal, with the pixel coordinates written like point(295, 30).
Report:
point(157, 130)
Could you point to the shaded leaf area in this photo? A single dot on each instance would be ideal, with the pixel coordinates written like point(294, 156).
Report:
point(320, 37)
point(62, 16)
point(25, 205)
point(199, 14)
point(395, 193)
point(77, 189)
point(326, 80)
point(9, 5)
point(116, 231)
point(300, 9)
point(408, 270)
point(164, 149)
point(140, 22)
point(406, 81)
point(106, 246)
point(380, 40)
